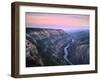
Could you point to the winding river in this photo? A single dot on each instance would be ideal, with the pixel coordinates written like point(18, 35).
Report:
point(66, 53)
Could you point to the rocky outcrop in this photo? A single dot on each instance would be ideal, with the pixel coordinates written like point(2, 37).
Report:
point(45, 47)
point(32, 56)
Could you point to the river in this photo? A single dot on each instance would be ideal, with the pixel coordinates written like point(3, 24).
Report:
point(66, 52)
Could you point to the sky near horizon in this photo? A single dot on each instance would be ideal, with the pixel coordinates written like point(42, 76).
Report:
point(35, 20)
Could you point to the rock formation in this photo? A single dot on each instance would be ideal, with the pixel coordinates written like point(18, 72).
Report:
point(45, 47)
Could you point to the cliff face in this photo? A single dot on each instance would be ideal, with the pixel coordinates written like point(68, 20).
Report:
point(45, 47)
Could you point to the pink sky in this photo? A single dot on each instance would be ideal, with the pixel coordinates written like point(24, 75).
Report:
point(59, 20)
